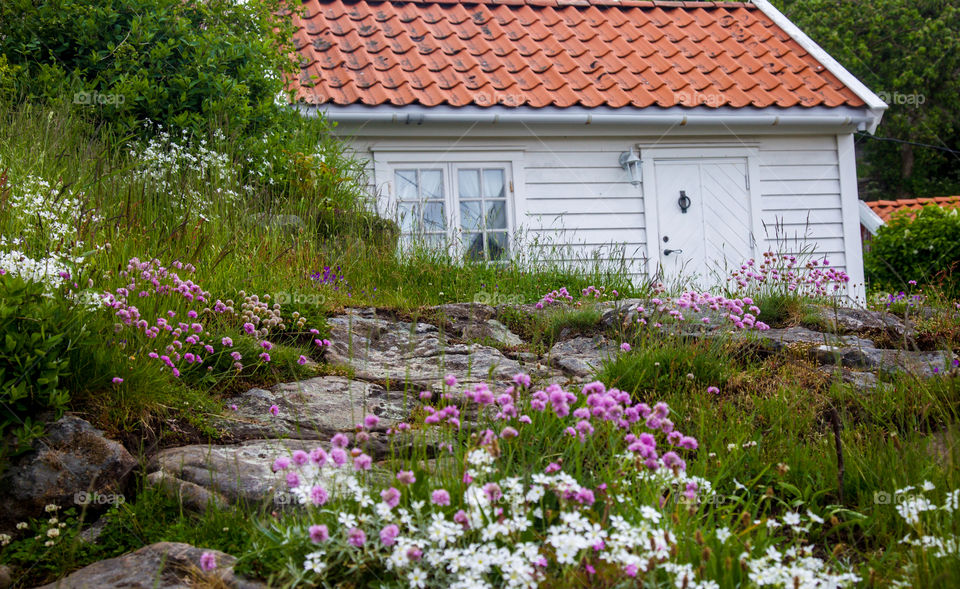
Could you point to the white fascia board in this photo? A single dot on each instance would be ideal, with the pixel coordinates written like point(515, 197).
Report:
point(701, 116)
point(875, 105)
point(870, 220)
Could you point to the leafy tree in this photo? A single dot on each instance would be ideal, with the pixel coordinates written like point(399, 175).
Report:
point(925, 248)
point(908, 52)
point(184, 64)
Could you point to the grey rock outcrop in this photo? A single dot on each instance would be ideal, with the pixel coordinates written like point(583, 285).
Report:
point(164, 565)
point(72, 464)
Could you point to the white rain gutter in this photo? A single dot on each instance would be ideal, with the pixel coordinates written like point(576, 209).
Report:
point(862, 119)
point(875, 105)
point(870, 220)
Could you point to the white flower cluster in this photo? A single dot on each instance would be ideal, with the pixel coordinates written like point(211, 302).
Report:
point(912, 507)
point(45, 217)
point(166, 162)
point(795, 567)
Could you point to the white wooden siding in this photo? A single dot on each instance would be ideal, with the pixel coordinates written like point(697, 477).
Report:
point(572, 191)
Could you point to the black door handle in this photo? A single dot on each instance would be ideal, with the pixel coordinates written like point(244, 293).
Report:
point(668, 252)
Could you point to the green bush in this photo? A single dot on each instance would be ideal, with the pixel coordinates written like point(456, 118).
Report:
point(37, 332)
point(925, 248)
point(179, 64)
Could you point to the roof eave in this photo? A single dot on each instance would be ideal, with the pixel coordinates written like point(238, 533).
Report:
point(875, 105)
point(846, 118)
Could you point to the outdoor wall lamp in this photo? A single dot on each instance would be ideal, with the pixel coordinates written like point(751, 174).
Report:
point(630, 161)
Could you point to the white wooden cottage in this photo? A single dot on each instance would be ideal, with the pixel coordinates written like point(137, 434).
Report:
point(674, 137)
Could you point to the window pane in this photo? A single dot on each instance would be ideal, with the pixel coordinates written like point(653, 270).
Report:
point(435, 240)
point(469, 183)
point(493, 184)
point(406, 184)
point(433, 218)
point(408, 216)
point(496, 214)
point(473, 243)
point(498, 246)
point(470, 219)
point(431, 181)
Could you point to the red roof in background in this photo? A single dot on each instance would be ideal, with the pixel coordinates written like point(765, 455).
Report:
point(559, 53)
point(886, 208)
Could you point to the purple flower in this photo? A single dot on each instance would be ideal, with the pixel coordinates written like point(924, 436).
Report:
point(338, 456)
point(266, 345)
point(522, 379)
point(388, 535)
point(319, 533)
point(293, 480)
point(339, 441)
point(391, 497)
point(192, 314)
point(362, 462)
point(509, 432)
point(625, 347)
point(117, 380)
point(450, 380)
point(274, 410)
point(319, 495)
point(265, 357)
point(281, 463)
point(248, 328)
point(493, 492)
point(356, 537)
point(713, 390)
point(406, 477)
point(371, 421)
point(552, 467)
point(208, 561)
point(318, 456)
point(440, 497)
point(227, 342)
point(461, 518)
point(425, 395)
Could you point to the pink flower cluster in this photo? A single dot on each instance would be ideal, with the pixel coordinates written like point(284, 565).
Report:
point(595, 406)
point(783, 271)
point(555, 297)
point(740, 312)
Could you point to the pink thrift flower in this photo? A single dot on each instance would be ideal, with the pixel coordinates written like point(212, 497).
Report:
point(281, 463)
point(319, 533)
point(362, 462)
point(338, 456)
point(319, 495)
point(371, 421)
point(406, 477)
point(625, 347)
point(391, 497)
point(356, 537)
point(388, 535)
point(440, 497)
point(450, 380)
point(274, 410)
point(552, 467)
point(318, 456)
point(713, 390)
point(302, 360)
point(339, 441)
point(208, 561)
point(293, 480)
point(300, 457)
point(461, 518)
point(117, 380)
point(425, 395)
point(493, 492)
point(509, 432)
point(265, 357)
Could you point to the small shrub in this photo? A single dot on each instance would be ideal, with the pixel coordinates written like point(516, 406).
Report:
point(36, 333)
point(925, 249)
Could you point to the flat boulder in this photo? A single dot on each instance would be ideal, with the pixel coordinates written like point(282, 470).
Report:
point(850, 320)
point(312, 409)
point(234, 473)
point(582, 356)
point(164, 565)
point(72, 464)
point(402, 354)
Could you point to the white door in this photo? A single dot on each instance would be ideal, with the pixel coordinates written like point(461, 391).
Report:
point(703, 218)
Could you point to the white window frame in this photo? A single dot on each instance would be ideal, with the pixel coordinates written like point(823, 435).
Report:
point(387, 161)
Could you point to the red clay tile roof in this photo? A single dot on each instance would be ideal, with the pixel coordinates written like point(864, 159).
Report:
point(886, 208)
point(559, 53)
